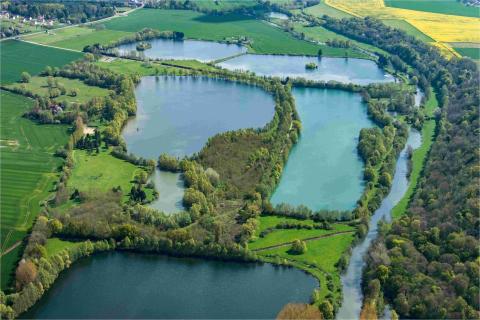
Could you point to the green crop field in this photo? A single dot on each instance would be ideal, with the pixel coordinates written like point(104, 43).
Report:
point(408, 28)
point(27, 172)
point(18, 56)
point(452, 7)
point(266, 38)
point(322, 9)
point(473, 53)
point(76, 38)
point(101, 172)
point(38, 85)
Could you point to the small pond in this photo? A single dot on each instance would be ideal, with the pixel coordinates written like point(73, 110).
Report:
point(170, 187)
point(351, 280)
point(184, 50)
point(324, 170)
point(358, 71)
point(126, 285)
point(277, 15)
point(177, 115)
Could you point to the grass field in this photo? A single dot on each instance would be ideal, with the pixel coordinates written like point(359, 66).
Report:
point(38, 85)
point(321, 256)
point(266, 38)
point(321, 34)
point(100, 172)
point(408, 28)
point(453, 7)
point(55, 245)
point(76, 38)
point(323, 9)
point(17, 56)
point(418, 158)
point(473, 53)
point(27, 172)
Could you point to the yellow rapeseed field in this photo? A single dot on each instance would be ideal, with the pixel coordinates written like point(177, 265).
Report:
point(440, 27)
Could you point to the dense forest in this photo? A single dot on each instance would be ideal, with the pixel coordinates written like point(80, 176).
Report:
point(426, 264)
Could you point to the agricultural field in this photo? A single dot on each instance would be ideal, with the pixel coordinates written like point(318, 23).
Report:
point(85, 93)
point(76, 38)
point(452, 7)
point(27, 172)
point(442, 28)
point(19, 56)
point(321, 34)
point(473, 53)
point(266, 38)
point(324, 9)
point(408, 28)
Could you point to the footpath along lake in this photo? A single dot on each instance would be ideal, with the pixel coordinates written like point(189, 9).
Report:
point(204, 51)
point(127, 285)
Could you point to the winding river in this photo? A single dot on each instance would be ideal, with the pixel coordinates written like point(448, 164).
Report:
point(126, 285)
point(204, 51)
point(351, 280)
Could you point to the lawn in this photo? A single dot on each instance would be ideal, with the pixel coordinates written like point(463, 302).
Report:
point(38, 85)
point(418, 158)
point(453, 7)
point(27, 172)
point(101, 172)
point(408, 28)
point(18, 56)
point(76, 38)
point(266, 38)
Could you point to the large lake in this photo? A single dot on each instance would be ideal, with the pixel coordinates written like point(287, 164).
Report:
point(358, 71)
point(177, 115)
point(324, 170)
point(126, 285)
point(352, 279)
point(184, 50)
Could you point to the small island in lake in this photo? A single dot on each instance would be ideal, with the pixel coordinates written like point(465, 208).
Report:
point(141, 46)
point(311, 66)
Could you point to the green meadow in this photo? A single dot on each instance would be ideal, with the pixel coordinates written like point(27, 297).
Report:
point(19, 56)
point(76, 38)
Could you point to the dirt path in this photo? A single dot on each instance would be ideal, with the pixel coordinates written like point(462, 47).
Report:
point(16, 244)
point(306, 239)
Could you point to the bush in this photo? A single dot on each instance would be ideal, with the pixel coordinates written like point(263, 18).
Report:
point(298, 247)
